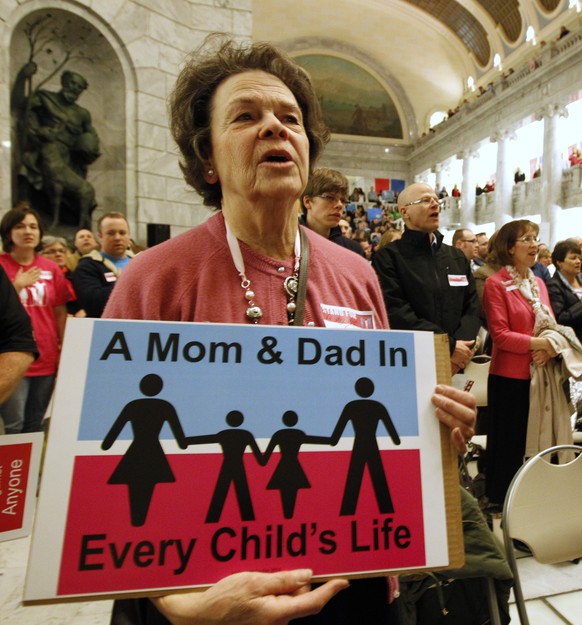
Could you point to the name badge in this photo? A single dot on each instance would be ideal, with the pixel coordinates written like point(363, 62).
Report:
point(46, 275)
point(511, 287)
point(110, 277)
point(458, 280)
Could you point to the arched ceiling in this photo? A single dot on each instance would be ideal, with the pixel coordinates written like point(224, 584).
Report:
point(423, 50)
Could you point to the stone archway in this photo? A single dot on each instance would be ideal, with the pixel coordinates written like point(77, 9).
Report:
point(57, 40)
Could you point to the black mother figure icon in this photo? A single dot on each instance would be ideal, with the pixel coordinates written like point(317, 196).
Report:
point(144, 464)
point(289, 477)
point(234, 443)
point(365, 415)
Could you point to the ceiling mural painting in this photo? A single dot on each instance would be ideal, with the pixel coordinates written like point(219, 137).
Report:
point(352, 100)
point(426, 55)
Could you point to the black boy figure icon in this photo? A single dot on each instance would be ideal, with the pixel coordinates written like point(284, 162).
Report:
point(365, 415)
point(289, 476)
point(234, 443)
point(144, 464)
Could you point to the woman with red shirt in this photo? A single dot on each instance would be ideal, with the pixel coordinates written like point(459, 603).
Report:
point(44, 294)
point(517, 306)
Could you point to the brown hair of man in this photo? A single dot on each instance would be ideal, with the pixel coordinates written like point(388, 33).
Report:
point(458, 235)
point(324, 180)
point(111, 215)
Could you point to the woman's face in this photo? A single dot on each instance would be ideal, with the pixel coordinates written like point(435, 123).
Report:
point(259, 145)
point(525, 250)
point(26, 234)
point(57, 252)
point(570, 266)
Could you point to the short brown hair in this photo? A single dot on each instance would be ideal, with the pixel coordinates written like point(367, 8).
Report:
point(110, 215)
point(507, 237)
point(324, 180)
point(14, 217)
point(562, 248)
point(218, 58)
point(458, 235)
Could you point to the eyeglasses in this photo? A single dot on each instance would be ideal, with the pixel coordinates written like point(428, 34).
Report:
point(52, 252)
point(472, 241)
point(333, 199)
point(529, 239)
point(425, 202)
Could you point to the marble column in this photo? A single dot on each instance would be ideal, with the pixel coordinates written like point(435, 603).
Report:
point(503, 179)
point(551, 173)
point(438, 171)
point(468, 188)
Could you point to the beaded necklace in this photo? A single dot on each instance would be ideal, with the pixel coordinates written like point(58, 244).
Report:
point(290, 283)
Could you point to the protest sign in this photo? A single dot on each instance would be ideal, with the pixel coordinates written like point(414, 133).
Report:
point(19, 463)
point(180, 453)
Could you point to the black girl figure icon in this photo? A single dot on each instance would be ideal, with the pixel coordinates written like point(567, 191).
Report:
point(289, 476)
point(144, 464)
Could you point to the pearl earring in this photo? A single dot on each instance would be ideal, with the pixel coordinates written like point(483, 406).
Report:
point(211, 172)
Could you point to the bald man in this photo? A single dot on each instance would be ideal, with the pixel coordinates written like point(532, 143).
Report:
point(428, 285)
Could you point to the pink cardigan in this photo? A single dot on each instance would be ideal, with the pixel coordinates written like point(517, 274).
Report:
point(510, 319)
point(192, 277)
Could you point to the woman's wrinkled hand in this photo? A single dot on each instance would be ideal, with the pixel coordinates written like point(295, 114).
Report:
point(540, 357)
point(457, 410)
point(250, 599)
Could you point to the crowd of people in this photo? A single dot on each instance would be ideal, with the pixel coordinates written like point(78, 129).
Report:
point(531, 305)
point(494, 86)
point(249, 129)
point(54, 279)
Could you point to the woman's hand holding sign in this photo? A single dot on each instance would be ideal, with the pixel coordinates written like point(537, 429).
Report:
point(250, 599)
point(456, 409)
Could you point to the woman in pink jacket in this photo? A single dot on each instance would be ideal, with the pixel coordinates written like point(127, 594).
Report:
point(517, 307)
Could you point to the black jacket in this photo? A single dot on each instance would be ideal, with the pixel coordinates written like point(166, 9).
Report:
point(426, 290)
point(336, 236)
point(93, 280)
point(15, 326)
point(567, 307)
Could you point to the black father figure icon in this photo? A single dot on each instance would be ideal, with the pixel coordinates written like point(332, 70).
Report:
point(365, 415)
point(144, 464)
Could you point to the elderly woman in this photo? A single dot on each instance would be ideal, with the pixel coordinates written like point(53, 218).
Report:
point(517, 307)
point(565, 288)
point(57, 250)
point(43, 291)
point(248, 125)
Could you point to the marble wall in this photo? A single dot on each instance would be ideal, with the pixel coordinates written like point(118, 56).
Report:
point(136, 49)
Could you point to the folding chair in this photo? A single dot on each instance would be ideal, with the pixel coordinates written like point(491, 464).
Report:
point(543, 509)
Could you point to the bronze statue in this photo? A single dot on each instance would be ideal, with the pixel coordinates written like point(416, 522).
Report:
point(57, 142)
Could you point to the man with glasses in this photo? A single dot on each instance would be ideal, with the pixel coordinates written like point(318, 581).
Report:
point(466, 241)
point(428, 285)
point(322, 205)
point(482, 248)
